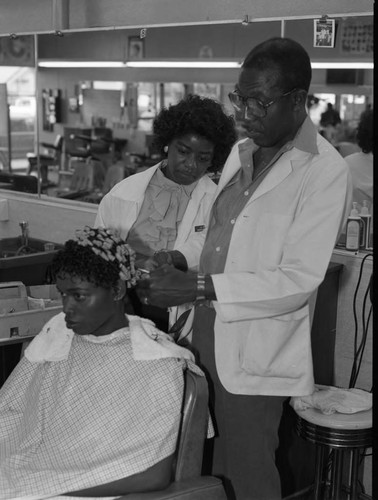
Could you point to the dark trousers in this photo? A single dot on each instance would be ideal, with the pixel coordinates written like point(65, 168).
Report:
point(243, 450)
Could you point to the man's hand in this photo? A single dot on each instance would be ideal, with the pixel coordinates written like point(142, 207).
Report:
point(167, 286)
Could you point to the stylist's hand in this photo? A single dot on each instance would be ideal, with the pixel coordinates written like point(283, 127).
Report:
point(167, 286)
point(148, 263)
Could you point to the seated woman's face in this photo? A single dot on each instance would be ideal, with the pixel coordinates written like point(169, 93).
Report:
point(88, 309)
point(189, 157)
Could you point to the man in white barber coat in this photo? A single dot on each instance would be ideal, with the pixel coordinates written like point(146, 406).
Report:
point(280, 203)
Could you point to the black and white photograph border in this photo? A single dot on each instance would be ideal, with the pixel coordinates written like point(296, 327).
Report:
point(324, 33)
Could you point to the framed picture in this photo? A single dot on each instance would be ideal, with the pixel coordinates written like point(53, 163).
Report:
point(324, 33)
point(18, 51)
point(135, 48)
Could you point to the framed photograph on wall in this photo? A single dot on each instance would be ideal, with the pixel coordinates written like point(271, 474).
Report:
point(324, 33)
point(135, 48)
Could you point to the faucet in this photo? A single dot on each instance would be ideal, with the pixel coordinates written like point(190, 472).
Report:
point(24, 233)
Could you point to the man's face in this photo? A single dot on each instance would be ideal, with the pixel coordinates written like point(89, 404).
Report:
point(88, 309)
point(278, 125)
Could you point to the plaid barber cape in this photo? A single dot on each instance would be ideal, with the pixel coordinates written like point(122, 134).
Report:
point(96, 416)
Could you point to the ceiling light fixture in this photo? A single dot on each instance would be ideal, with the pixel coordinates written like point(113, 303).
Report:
point(140, 64)
point(199, 64)
point(208, 64)
point(342, 65)
point(80, 64)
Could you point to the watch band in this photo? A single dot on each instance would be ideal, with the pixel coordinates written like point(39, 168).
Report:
point(200, 287)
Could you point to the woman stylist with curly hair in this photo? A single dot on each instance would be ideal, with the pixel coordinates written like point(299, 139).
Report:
point(161, 207)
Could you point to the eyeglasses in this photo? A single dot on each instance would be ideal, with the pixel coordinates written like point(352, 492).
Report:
point(253, 105)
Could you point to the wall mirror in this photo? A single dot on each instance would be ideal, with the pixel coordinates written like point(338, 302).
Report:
point(83, 105)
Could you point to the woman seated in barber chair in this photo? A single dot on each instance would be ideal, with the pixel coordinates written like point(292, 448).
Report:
point(160, 208)
point(93, 407)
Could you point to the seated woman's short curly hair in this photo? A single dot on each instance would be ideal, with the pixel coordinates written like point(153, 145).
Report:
point(99, 256)
point(201, 116)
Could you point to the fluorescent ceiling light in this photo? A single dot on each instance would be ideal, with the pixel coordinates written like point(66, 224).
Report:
point(183, 64)
point(139, 64)
point(211, 64)
point(342, 65)
point(81, 64)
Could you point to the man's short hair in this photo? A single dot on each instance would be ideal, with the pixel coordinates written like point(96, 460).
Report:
point(287, 57)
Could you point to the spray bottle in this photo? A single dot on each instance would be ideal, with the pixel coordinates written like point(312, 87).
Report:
point(353, 230)
point(366, 225)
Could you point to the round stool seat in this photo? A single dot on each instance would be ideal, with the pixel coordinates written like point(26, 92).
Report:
point(340, 430)
point(359, 420)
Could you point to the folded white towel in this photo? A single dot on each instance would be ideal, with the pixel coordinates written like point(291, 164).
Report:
point(334, 399)
point(54, 341)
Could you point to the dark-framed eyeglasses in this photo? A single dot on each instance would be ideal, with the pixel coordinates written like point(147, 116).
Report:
point(253, 105)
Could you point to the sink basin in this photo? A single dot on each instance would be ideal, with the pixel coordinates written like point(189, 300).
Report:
point(27, 264)
point(13, 247)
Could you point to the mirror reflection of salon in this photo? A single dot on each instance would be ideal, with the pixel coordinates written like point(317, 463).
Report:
point(124, 107)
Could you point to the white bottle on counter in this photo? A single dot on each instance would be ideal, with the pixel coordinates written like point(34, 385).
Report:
point(366, 225)
point(353, 230)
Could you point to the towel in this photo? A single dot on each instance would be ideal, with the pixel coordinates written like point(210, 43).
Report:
point(54, 341)
point(334, 399)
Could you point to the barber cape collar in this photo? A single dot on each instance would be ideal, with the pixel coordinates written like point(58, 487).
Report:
point(53, 343)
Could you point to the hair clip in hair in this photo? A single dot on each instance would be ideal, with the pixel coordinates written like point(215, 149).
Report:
point(109, 246)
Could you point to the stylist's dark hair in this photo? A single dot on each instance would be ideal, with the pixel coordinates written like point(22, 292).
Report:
point(365, 131)
point(287, 58)
point(77, 260)
point(201, 116)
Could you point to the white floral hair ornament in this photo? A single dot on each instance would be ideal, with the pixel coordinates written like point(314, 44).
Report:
point(107, 244)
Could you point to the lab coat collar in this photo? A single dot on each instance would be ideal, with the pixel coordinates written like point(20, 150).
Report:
point(304, 140)
point(304, 143)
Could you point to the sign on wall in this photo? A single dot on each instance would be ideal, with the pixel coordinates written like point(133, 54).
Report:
point(357, 36)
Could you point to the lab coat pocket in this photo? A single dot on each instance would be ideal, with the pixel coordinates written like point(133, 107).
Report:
point(278, 346)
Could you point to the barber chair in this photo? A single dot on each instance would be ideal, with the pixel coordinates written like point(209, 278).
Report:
point(98, 147)
point(188, 484)
point(90, 167)
point(51, 158)
point(86, 177)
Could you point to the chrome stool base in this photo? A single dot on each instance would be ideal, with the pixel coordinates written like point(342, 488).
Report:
point(340, 433)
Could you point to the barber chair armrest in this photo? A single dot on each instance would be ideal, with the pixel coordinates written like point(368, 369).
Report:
point(73, 195)
point(199, 488)
point(49, 146)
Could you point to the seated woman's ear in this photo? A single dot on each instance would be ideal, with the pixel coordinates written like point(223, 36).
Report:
point(119, 290)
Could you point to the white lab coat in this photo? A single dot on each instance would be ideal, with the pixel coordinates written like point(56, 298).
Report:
point(279, 252)
point(120, 208)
